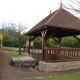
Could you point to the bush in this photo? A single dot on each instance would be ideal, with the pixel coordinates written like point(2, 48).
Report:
point(24, 46)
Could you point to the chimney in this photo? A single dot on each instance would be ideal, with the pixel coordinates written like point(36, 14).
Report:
point(61, 5)
point(50, 11)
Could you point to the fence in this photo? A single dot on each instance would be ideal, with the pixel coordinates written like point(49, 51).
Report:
point(37, 54)
point(56, 54)
point(61, 54)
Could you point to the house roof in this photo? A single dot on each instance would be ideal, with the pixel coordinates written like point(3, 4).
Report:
point(61, 22)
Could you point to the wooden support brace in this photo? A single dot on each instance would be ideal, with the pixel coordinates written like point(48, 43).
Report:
point(76, 38)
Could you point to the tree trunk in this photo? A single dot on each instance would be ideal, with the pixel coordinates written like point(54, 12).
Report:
point(19, 46)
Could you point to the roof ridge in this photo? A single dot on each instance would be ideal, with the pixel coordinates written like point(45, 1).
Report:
point(53, 15)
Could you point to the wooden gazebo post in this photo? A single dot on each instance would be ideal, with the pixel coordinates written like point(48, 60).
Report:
point(43, 33)
point(59, 40)
point(29, 45)
point(30, 38)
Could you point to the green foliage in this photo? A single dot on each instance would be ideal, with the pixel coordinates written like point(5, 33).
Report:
point(66, 41)
point(70, 42)
point(74, 76)
point(8, 39)
point(14, 52)
point(51, 43)
point(38, 42)
point(24, 46)
point(24, 39)
point(9, 49)
point(16, 42)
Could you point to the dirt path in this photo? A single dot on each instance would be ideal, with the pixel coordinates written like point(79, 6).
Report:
point(8, 72)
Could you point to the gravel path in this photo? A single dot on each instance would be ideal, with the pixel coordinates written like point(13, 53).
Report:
point(8, 72)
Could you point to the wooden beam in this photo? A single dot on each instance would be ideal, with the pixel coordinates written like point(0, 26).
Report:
point(76, 38)
point(33, 37)
point(59, 40)
point(51, 35)
point(55, 40)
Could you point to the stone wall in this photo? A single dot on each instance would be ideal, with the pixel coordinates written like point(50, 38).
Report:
point(38, 57)
point(56, 66)
point(26, 61)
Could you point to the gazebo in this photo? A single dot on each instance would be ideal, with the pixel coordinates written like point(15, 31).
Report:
point(58, 24)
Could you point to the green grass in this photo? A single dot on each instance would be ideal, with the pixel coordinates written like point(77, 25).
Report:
point(16, 54)
point(10, 48)
point(74, 76)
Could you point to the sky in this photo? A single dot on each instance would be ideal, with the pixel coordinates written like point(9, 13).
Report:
point(27, 12)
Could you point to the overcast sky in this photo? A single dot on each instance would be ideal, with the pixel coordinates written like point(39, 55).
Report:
point(28, 12)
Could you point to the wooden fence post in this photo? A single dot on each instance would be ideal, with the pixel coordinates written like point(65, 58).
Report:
point(46, 54)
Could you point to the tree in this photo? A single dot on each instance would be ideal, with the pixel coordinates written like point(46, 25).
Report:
point(73, 6)
point(38, 42)
point(17, 31)
point(51, 43)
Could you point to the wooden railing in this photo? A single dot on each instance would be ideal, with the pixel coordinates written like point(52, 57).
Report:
point(37, 54)
point(35, 50)
point(57, 54)
point(61, 54)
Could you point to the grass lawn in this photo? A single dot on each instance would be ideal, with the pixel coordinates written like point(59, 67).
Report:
point(74, 76)
point(14, 52)
point(10, 49)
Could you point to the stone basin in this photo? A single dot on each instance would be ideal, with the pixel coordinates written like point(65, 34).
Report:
point(27, 61)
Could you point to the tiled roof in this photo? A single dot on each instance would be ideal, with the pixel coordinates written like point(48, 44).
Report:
point(60, 19)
